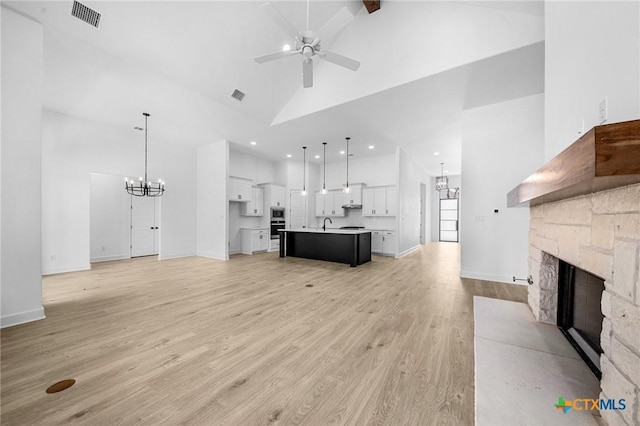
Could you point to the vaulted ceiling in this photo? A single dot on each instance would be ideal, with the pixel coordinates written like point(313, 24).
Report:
point(422, 64)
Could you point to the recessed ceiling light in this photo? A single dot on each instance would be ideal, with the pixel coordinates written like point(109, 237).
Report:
point(288, 155)
point(436, 153)
point(317, 156)
point(342, 152)
point(286, 48)
point(371, 147)
point(253, 142)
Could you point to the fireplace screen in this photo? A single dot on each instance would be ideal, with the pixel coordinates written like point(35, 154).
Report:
point(579, 313)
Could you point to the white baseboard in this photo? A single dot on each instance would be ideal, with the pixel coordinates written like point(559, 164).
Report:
point(406, 252)
point(109, 258)
point(64, 269)
point(209, 256)
point(176, 256)
point(486, 277)
point(22, 317)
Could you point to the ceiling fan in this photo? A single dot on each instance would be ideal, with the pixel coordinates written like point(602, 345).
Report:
point(307, 43)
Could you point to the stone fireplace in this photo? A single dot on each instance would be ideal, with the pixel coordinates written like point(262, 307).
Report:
point(599, 233)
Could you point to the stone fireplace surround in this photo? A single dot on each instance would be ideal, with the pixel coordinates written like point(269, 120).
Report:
point(599, 233)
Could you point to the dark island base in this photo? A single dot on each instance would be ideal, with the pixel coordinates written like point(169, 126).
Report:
point(353, 249)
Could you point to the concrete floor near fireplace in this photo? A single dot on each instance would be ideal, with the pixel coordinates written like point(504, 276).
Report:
point(522, 367)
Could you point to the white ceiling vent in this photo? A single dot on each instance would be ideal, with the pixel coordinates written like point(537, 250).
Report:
point(85, 14)
point(238, 95)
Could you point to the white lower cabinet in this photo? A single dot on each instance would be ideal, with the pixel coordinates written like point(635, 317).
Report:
point(384, 242)
point(254, 239)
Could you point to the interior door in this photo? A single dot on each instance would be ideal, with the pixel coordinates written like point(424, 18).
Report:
point(143, 226)
point(449, 220)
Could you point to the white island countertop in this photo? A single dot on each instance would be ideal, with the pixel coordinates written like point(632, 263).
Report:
point(328, 231)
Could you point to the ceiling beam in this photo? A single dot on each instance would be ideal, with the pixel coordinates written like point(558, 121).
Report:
point(371, 5)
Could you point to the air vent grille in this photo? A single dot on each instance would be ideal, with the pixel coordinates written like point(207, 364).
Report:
point(238, 95)
point(85, 14)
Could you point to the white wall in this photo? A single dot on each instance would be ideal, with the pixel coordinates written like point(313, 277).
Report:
point(454, 182)
point(373, 171)
point(501, 145)
point(72, 149)
point(212, 200)
point(592, 52)
point(110, 218)
point(21, 282)
point(409, 179)
point(447, 34)
point(259, 170)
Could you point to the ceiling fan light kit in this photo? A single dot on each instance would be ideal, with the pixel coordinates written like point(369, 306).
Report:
point(307, 43)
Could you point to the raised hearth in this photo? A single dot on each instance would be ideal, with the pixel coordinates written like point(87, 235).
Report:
point(599, 232)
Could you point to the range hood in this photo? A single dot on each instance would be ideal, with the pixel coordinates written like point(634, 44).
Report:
point(352, 206)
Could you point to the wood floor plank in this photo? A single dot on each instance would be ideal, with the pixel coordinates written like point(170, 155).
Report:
point(256, 340)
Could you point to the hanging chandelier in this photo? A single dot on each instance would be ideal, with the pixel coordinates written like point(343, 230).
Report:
point(140, 187)
point(304, 171)
point(442, 181)
point(324, 168)
point(346, 187)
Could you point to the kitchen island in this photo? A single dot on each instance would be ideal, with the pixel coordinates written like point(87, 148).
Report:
point(352, 246)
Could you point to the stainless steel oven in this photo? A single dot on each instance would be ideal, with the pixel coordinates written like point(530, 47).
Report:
point(276, 224)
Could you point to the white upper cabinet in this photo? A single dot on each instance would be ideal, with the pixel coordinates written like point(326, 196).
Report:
point(391, 204)
point(330, 204)
point(379, 201)
point(277, 196)
point(354, 196)
point(273, 195)
point(255, 207)
point(239, 189)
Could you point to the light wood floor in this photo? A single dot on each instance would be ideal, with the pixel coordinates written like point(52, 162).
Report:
point(256, 340)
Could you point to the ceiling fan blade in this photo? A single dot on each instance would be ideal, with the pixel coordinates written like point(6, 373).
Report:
point(334, 25)
point(307, 72)
point(275, 55)
point(337, 59)
point(281, 21)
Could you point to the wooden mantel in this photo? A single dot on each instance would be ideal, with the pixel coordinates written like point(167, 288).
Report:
point(605, 157)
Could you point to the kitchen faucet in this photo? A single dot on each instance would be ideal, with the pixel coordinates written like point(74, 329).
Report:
point(324, 223)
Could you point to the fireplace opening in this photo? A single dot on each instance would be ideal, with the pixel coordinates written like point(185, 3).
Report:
point(579, 313)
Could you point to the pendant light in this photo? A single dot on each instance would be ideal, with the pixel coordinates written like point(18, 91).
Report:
point(144, 188)
point(324, 168)
point(346, 187)
point(304, 171)
point(442, 182)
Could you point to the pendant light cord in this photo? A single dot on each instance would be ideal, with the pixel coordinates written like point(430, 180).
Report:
point(146, 117)
point(304, 168)
point(348, 161)
point(307, 15)
point(324, 166)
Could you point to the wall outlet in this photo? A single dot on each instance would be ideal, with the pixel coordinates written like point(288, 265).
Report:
point(53, 257)
point(603, 110)
point(103, 248)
